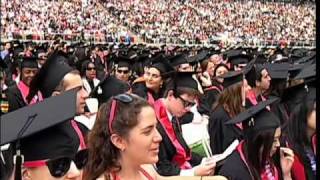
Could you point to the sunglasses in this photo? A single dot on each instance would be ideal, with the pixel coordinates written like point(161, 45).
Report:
point(122, 71)
point(186, 103)
point(91, 68)
point(124, 98)
point(60, 166)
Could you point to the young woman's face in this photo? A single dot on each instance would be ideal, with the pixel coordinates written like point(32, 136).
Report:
point(153, 79)
point(142, 144)
point(219, 72)
point(276, 141)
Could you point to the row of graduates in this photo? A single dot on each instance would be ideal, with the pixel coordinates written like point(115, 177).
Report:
point(182, 90)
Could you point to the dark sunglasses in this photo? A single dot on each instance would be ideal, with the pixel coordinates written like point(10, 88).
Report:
point(186, 103)
point(124, 98)
point(91, 68)
point(122, 71)
point(60, 166)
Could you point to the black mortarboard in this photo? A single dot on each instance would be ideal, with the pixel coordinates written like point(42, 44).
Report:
point(257, 118)
point(126, 60)
point(294, 69)
point(186, 80)
point(233, 77)
point(37, 117)
point(178, 59)
point(278, 71)
point(29, 62)
point(161, 63)
point(236, 57)
point(51, 73)
point(308, 72)
point(110, 86)
point(201, 56)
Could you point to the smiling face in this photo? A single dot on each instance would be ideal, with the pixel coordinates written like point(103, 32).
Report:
point(142, 143)
point(27, 74)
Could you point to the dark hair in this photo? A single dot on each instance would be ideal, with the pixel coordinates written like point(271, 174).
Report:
point(296, 132)
point(84, 67)
point(254, 142)
point(103, 154)
point(231, 100)
point(217, 67)
point(254, 75)
point(204, 65)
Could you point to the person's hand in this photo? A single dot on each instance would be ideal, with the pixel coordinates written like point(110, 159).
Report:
point(286, 161)
point(205, 168)
point(205, 79)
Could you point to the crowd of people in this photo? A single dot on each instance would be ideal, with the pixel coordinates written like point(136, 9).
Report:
point(47, 19)
point(117, 111)
point(164, 21)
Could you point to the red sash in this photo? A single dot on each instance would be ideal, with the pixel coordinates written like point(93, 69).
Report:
point(219, 89)
point(24, 90)
point(263, 175)
point(150, 99)
point(253, 98)
point(79, 133)
point(181, 157)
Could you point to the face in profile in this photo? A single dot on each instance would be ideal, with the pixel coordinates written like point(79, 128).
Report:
point(73, 81)
point(142, 144)
point(276, 141)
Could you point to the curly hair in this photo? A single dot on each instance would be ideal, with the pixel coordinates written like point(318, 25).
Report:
point(103, 154)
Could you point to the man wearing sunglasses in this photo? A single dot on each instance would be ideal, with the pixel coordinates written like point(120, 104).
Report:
point(122, 70)
point(175, 157)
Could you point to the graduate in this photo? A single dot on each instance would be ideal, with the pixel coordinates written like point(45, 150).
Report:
point(44, 142)
point(229, 104)
point(259, 155)
point(175, 157)
point(153, 85)
point(17, 93)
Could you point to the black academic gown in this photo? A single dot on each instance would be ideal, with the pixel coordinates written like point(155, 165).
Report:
point(234, 168)
point(167, 151)
point(221, 135)
point(15, 98)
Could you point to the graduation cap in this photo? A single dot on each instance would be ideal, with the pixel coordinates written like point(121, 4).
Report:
point(294, 69)
point(51, 73)
point(278, 71)
point(186, 80)
point(178, 59)
point(126, 60)
point(308, 73)
point(110, 86)
point(233, 77)
point(29, 62)
point(201, 56)
point(161, 63)
point(257, 118)
point(37, 117)
point(236, 57)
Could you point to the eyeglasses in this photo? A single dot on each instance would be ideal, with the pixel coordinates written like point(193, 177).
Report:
point(60, 166)
point(186, 103)
point(122, 71)
point(124, 98)
point(91, 68)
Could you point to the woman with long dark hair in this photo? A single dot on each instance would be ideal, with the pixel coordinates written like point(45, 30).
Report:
point(300, 135)
point(229, 104)
point(256, 156)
